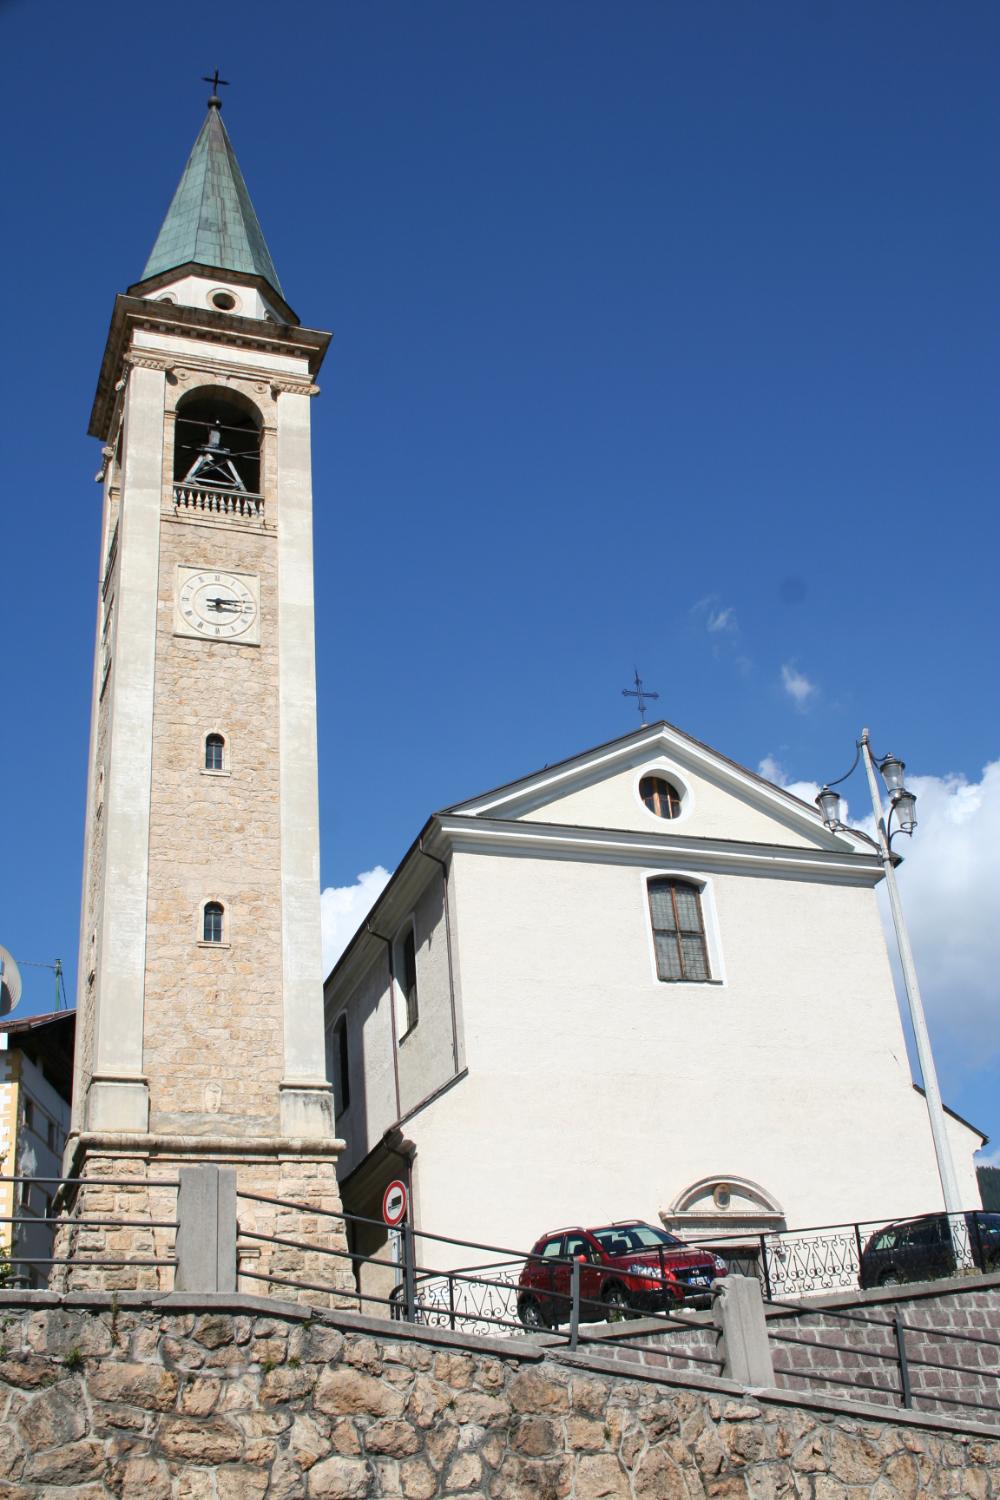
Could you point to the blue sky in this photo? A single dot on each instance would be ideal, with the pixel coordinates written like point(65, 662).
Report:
point(665, 335)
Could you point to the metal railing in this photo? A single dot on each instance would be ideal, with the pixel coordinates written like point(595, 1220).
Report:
point(17, 1264)
point(216, 500)
point(865, 1253)
point(438, 1281)
point(481, 1298)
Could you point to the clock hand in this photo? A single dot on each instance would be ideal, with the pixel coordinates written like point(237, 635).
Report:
point(221, 604)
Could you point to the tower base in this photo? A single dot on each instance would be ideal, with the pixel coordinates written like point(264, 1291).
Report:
point(119, 1216)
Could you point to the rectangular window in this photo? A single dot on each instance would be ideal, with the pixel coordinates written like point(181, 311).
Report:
point(678, 931)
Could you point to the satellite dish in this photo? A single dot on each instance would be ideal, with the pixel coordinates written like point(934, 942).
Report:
point(10, 982)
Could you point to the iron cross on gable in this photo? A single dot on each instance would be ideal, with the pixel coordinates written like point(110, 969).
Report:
point(217, 83)
point(641, 694)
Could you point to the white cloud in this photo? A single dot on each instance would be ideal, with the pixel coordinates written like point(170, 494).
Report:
point(717, 618)
point(948, 887)
point(948, 884)
point(720, 620)
point(344, 907)
point(797, 685)
point(772, 770)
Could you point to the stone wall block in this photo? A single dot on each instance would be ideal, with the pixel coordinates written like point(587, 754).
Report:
point(340, 1479)
point(417, 1480)
point(145, 1385)
point(69, 1464)
point(601, 1477)
point(213, 1441)
point(54, 1417)
point(349, 1392)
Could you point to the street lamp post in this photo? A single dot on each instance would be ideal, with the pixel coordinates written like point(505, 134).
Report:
point(903, 807)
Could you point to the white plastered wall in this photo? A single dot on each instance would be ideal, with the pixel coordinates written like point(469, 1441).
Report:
point(596, 1091)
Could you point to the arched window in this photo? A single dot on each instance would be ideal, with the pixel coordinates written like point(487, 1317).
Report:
point(660, 796)
point(217, 442)
point(404, 970)
point(214, 751)
point(212, 929)
point(678, 930)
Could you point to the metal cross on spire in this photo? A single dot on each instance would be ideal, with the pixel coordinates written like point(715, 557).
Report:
point(641, 694)
point(215, 102)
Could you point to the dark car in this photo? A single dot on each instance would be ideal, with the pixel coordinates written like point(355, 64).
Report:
point(925, 1248)
point(624, 1268)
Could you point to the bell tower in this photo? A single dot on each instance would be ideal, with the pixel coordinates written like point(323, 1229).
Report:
point(200, 1013)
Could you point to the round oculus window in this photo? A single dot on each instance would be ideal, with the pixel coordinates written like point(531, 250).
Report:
point(224, 301)
point(660, 796)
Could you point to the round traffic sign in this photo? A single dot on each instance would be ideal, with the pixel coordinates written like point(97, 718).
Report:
point(394, 1202)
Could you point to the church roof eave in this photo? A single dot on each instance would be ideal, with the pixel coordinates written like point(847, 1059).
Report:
point(211, 220)
point(151, 284)
point(560, 776)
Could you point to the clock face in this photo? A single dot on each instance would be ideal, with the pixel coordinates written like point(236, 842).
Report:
point(217, 606)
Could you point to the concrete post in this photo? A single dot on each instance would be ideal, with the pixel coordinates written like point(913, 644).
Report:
point(739, 1312)
point(206, 1230)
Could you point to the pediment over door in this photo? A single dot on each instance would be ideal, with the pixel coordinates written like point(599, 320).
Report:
point(723, 1204)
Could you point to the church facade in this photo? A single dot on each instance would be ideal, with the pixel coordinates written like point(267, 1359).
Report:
point(643, 983)
point(200, 1035)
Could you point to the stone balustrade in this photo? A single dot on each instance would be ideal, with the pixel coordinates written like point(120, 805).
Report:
point(218, 503)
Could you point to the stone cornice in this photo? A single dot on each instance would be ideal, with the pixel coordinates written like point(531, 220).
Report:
point(213, 329)
point(617, 845)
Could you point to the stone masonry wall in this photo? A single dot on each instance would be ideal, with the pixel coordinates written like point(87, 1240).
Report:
point(132, 1246)
point(850, 1339)
point(205, 1400)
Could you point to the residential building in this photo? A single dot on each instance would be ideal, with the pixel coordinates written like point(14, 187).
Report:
point(36, 1079)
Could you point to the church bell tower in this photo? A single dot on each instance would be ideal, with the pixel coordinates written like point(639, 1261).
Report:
point(200, 1014)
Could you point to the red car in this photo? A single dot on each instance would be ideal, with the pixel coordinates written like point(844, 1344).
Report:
point(628, 1267)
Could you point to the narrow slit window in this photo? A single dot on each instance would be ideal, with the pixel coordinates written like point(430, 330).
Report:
point(404, 966)
point(341, 1080)
point(215, 747)
point(213, 922)
point(678, 931)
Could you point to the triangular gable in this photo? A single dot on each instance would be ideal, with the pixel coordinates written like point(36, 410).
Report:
point(719, 798)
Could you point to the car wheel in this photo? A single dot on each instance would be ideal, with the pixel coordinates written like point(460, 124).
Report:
point(890, 1278)
point(616, 1303)
point(533, 1320)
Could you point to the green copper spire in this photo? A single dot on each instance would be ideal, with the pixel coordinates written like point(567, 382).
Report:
point(211, 219)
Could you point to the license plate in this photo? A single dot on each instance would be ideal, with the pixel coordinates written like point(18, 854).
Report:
point(700, 1280)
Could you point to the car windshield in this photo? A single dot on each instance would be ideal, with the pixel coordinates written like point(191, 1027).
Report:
point(626, 1239)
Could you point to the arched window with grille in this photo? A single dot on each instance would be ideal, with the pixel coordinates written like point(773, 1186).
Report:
point(660, 796)
point(215, 752)
point(678, 930)
point(212, 926)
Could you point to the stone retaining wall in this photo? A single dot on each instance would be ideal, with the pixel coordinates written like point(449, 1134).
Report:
point(205, 1399)
point(862, 1355)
